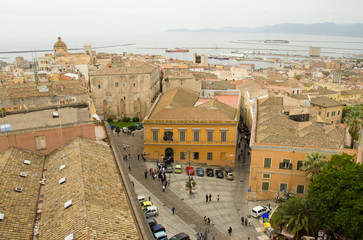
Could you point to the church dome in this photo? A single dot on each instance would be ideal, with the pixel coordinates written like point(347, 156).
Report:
point(60, 43)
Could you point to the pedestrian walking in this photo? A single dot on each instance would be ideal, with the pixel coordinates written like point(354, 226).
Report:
point(229, 231)
point(149, 198)
point(138, 157)
point(248, 238)
point(242, 220)
point(246, 221)
point(173, 210)
point(206, 197)
point(218, 198)
point(129, 168)
point(205, 219)
point(118, 131)
point(208, 220)
point(145, 174)
point(163, 188)
point(210, 197)
point(249, 221)
point(169, 182)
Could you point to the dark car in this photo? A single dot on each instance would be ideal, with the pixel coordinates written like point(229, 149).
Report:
point(209, 172)
point(200, 171)
point(132, 128)
point(169, 169)
point(219, 174)
point(180, 236)
point(151, 221)
point(157, 228)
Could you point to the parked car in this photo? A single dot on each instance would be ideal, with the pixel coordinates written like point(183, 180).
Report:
point(139, 125)
point(180, 236)
point(209, 172)
point(190, 170)
point(169, 169)
point(178, 168)
point(151, 211)
point(160, 236)
point(259, 210)
point(157, 228)
point(146, 204)
point(200, 171)
point(219, 173)
point(151, 222)
point(229, 176)
point(141, 198)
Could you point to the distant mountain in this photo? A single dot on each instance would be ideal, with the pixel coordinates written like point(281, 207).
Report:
point(353, 29)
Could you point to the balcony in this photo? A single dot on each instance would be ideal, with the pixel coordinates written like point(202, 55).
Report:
point(285, 165)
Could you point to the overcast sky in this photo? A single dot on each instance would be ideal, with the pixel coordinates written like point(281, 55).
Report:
point(39, 17)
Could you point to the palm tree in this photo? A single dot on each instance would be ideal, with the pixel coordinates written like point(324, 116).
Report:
point(294, 215)
point(313, 164)
point(354, 119)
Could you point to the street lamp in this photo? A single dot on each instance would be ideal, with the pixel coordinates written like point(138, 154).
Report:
point(190, 184)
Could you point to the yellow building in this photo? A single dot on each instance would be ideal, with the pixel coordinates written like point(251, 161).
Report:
point(328, 110)
point(180, 125)
point(353, 94)
point(279, 145)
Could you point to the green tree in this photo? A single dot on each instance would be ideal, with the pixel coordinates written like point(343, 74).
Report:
point(295, 216)
point(313, 164)
point(354, 119)
point(336, 196)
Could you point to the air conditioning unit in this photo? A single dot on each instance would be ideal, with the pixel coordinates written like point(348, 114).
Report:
point(55, 114)
point(2, 215)
point(18, 189)
point(23, 174)
point(62, 167)
point(62, 180)
point(68, 204)
point(27, 162)
point(63, 156)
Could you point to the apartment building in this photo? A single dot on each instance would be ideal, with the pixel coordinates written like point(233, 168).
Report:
point(183, 126)
point(279, 145)
point(328, 110)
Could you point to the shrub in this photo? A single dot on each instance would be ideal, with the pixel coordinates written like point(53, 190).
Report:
point(135, 119)
point(126, 119)
point(109, 120)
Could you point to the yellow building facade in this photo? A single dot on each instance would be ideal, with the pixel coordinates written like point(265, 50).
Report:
point(279, 146)
point(209, 142)
point(203, 133)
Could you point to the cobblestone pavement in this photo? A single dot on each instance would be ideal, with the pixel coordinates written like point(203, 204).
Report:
point(190, 209)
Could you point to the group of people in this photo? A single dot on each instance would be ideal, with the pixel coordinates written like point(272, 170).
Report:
point(159, 174)
point(245, 221)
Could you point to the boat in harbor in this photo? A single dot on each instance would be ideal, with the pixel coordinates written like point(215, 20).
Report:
point(275, 41)
point(177, 50)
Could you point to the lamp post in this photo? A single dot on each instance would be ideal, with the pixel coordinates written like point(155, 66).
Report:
point(190, 184)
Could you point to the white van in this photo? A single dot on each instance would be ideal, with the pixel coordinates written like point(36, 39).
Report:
point(141, 198)
point(259, 210)
point(151, 211)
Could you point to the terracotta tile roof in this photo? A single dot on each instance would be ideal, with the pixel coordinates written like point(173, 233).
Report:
point(145, 68)
point(218, 85)
point(274, 127)
point(44, 118)
point(100, 209)
point(19, 207)
point(351, 92)
point(179, 104)
point(27, 90)
point(325, 102)
point(230, 100)
point(300, 96)
point(177, 97)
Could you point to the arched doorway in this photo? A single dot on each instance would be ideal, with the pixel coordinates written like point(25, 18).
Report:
point(169, 155)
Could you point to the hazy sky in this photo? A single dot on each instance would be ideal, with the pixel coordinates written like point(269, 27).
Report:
point(22, 18)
